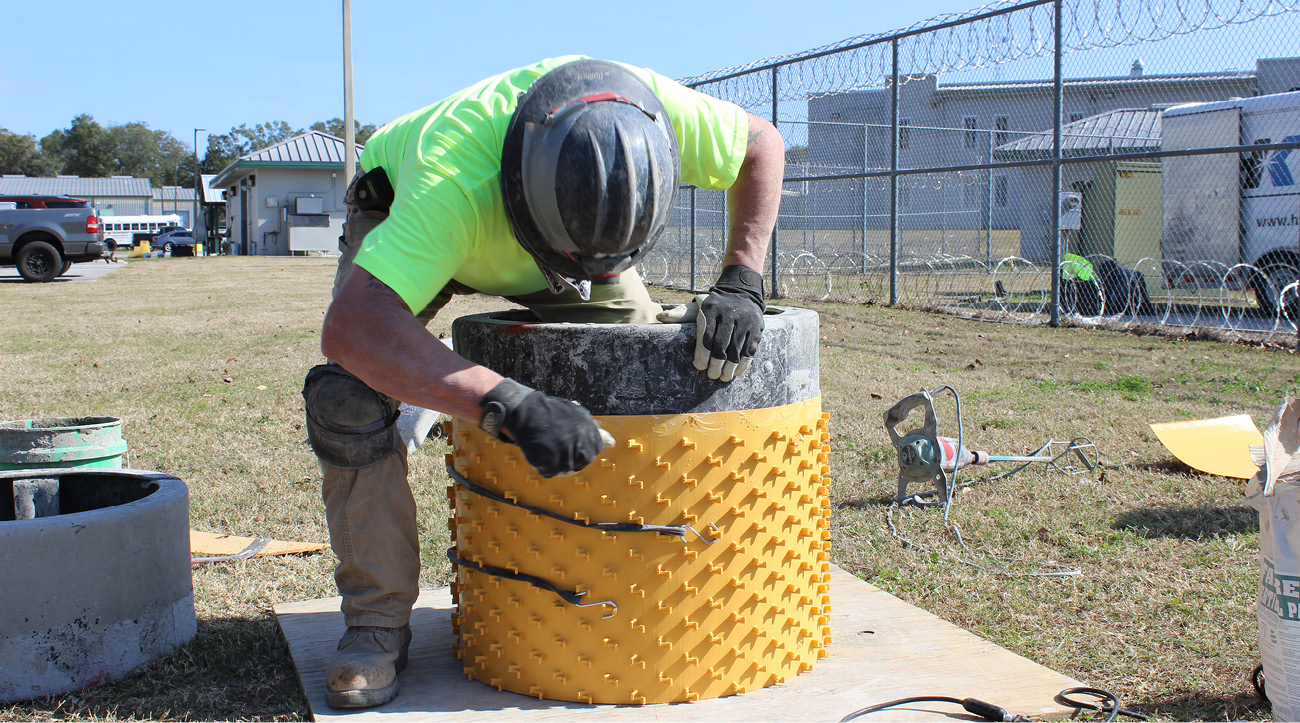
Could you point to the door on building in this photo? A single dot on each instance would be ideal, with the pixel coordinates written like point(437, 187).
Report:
point(245, 227)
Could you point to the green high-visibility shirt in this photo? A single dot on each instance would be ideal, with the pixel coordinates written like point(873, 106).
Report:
point(448, 218)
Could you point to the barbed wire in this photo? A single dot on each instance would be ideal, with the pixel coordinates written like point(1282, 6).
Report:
point(1199, 294)
point(986, 37)
point(944, 217)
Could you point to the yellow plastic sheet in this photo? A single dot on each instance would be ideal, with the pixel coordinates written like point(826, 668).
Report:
point(1218, 446)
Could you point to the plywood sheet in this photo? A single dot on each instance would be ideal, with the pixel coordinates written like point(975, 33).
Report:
point(884, 649)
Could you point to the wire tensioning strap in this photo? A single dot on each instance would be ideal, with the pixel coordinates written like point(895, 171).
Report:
point(572, 597)
point(678, 530)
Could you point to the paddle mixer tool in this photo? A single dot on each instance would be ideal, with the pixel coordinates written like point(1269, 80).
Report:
point(926, 457)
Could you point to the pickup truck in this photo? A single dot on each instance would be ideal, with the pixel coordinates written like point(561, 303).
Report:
point(43, 243)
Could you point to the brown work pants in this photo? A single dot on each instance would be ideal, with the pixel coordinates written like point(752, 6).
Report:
point(370, 511)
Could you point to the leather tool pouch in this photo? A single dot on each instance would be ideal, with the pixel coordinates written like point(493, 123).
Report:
point(374, 192)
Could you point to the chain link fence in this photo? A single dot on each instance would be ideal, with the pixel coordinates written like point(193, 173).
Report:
point(1132, 161)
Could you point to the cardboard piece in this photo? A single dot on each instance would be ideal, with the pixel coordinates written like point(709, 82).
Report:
point(1217, 446)
point(883, 649)
point(213, 544)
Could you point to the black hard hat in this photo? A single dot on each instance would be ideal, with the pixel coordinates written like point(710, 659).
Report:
point(590, 169)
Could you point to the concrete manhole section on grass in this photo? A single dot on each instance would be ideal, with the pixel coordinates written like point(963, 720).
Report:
point(94, 576)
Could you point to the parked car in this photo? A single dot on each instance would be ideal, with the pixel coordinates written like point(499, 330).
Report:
point(168, 241)
point(45, 201)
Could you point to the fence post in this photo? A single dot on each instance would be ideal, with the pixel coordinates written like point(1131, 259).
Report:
point(866, 197)
point(692, 285)
point(776, 271)
point(893, 179)
point(988, 206)
point(1056, 163)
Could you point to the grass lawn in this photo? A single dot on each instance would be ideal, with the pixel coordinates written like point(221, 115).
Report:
point(204, 359)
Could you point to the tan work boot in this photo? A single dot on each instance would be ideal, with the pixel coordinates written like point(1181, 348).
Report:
point(363, 672)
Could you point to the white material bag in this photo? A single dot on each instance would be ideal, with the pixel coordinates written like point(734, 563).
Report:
point(1275, 493)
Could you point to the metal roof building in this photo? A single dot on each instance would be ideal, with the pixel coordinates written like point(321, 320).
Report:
point(1104, 184)
point(287, 198)
point(211, 193)
point(1119, 131)
point(310, 150)
point(118, 195)
point(177, 200)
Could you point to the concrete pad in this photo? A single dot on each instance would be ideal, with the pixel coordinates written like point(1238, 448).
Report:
point(86, 271)
point(884, 649)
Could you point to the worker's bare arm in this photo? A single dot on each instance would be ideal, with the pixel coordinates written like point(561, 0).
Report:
point(371, 333)
point(755, 198)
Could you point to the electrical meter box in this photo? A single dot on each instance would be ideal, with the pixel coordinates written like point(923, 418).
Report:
point(309, 205)
point(1070, 209)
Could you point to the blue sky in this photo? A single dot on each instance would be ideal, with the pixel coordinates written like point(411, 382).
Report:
point(183, 65)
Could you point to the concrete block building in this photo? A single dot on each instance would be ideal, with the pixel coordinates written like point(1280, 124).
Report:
point(287, 199)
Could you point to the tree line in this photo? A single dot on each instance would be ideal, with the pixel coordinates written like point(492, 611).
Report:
point(87, 149)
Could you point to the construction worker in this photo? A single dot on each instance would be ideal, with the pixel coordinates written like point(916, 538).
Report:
point(544, 185)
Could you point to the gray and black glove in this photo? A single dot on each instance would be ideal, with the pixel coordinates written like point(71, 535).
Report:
point(557, 436)
point(728, 322)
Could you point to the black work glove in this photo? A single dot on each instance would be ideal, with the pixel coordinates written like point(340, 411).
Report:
point(728, 322)
point(557, 436)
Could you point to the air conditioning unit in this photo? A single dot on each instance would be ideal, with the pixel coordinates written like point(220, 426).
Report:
point(309, 206)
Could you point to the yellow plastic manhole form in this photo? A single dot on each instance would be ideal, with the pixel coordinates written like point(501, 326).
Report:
point(688, 619)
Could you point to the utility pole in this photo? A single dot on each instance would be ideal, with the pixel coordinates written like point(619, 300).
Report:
point(194, 220)
point(349, 133)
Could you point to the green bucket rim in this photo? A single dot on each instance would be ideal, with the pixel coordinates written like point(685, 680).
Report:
point(61, 424)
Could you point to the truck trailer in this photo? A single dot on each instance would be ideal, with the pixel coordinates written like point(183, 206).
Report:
point(1232, 209)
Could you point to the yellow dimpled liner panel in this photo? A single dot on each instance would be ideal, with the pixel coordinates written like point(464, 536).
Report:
point(693, 619)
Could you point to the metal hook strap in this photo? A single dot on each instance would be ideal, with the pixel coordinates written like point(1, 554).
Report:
point(572, 597)
point(678, 530)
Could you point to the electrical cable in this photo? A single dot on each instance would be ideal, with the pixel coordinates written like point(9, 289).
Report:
point(1111, 711)
point(1258, 680)
point(991, 712)
point(987, 711)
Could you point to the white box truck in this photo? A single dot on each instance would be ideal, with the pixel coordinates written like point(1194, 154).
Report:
point(1234, 209)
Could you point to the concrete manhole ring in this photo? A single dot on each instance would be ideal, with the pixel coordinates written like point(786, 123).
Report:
point(95, 567)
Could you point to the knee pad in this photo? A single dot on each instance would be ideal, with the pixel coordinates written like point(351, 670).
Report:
point(349, 425)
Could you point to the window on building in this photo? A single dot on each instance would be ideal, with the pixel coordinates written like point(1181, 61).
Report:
point(1076, 117)
point(1000, 191)
point(1002, 124)
point(970, 123)
point(904, 132)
